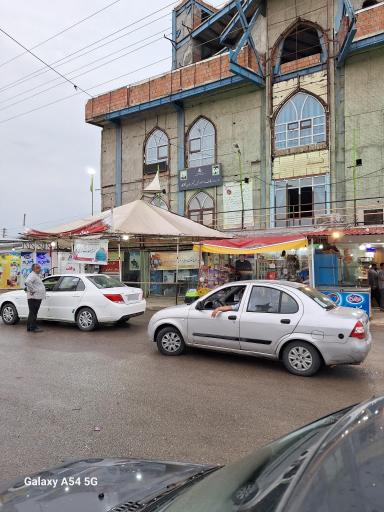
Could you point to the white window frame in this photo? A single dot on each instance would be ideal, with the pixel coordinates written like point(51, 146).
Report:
point(157, 141)
point(202, 130)
point(298, 137)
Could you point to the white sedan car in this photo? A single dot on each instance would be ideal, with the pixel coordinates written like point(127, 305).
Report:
point(84, 299)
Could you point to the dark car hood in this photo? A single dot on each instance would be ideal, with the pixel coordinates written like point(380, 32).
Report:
point(119, 481)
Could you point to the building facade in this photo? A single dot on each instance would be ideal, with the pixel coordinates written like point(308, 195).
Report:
point(271, 117)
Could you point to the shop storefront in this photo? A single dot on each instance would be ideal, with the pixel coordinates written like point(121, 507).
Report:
point(341, 260)
point(265, 257)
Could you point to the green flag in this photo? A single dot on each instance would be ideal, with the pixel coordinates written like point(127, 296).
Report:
point(91, 184)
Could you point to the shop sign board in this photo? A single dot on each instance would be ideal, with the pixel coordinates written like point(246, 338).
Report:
point(10, 266)
point(165, 260)
point(66, 263)
point(232, 205)
point(359, 299)
point(204, 176)
point(91, 251)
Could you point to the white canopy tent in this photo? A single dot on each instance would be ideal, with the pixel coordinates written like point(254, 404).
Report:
point(137, 219)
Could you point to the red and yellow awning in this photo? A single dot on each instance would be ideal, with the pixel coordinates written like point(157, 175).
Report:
point(253, 245)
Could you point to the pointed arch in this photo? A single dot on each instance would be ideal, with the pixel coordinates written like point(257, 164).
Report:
point(300, 121)
point(156, 149)
point(201, 208)
point(302, 39)
point(201, 142)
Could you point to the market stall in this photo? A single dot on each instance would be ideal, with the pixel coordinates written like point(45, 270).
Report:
point(262, 257)
point(341, 259)
point(148, 246)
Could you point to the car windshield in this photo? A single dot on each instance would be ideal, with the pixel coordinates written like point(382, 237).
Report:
point(320, 299)
point(258, 482)
point(104, 281)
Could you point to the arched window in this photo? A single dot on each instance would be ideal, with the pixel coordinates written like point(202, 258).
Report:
point(202, 209)
point(160, 203)
point(302, 41)
point(201, 143)
point(301, 121)
point(156, 148)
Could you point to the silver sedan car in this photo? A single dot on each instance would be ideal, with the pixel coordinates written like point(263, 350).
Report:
point(290, 322)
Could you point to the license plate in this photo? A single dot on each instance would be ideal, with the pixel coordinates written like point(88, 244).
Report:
point(132, 297)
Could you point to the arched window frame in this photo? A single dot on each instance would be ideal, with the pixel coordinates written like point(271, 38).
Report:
point(278, 47)
point(159, 140)
point(308, 129)
point(200, 214)
point(195, 152)
point(159, 202)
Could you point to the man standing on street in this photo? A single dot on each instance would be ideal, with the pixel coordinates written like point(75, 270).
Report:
point(373, 281)
point(381, 285)
point(35, 294)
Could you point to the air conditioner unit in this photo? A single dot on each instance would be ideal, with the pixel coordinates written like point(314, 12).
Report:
point(370, 216)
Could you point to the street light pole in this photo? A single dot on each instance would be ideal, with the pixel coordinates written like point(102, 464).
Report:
point(92, 173)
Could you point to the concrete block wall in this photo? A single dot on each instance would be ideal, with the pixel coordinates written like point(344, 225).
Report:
point(364, 115)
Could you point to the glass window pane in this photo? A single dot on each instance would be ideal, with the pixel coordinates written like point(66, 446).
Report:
point(318, 138)
point(194, 145)
point(293, 143)
point(264, 300)
point(288, 305)
point(305, 140)
point(162, 152)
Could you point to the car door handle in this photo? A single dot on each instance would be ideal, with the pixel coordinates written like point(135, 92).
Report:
point(285, 321)
point(232, 317)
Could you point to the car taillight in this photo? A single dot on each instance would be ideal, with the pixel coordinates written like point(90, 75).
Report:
point(358, 331)
point(114, 297)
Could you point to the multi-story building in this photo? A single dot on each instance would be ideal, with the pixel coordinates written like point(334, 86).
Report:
point(272, 116)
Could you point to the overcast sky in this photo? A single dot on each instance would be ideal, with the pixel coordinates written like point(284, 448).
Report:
point(44, 154)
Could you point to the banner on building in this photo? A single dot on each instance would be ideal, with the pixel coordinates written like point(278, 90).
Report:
point(91, 251)
point(10, 271)
point(232, 205)
point(204, 176)
point(66, 263)
point(168, 260)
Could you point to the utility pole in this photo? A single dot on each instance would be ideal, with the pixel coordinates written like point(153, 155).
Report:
point(354, 176)
point(4, 232)
point(236, 146)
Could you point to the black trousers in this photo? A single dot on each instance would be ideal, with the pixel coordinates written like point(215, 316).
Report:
point(375, 294)
point(33, 306)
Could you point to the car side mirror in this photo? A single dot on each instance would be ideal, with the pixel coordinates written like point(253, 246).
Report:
point(200, 305)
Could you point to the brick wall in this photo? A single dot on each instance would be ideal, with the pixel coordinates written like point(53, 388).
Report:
point(370, 21)
point(203, 72)
point(305, 62)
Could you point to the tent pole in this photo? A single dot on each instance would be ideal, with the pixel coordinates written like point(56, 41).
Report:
point(177, 269)
point(119, 249)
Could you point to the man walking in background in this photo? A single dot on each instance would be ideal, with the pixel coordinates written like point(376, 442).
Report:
point(381, 285)
point(35, 294)
point(373, 281)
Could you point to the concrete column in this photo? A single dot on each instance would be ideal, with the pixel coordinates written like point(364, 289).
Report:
point(118, 166)
point(338, 191)
point(180, 153)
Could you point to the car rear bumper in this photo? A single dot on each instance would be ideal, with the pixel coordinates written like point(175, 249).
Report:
point(116, 312)
point(354, 351)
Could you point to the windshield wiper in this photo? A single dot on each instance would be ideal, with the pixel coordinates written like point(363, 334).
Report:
point(172, 490)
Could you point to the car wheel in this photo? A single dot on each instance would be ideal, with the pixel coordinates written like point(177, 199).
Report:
point(9, 314)
point(301, 358)
point(86, 319)
point(170, 342)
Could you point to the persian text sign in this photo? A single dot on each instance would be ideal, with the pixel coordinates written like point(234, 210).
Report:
point(168, 260)
point(204, 176)
point(91, 251)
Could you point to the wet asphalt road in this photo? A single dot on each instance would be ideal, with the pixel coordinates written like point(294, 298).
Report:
point(57, 386)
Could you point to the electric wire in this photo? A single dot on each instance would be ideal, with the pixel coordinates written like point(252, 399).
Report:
point(61, 32)
point(43, 62)
point(43, 70)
